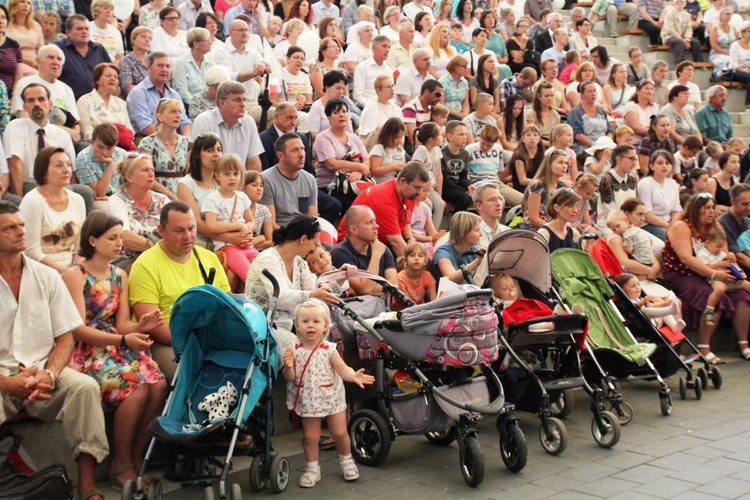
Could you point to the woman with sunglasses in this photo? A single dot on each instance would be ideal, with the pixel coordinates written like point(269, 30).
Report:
point(168, 38)
point(138, 207)
point(286, 261)
point(456, 88)
point(689, 277)
point(167, 148)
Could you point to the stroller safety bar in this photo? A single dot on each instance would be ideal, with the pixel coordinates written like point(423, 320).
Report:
point(562, 324)
point(341, 274)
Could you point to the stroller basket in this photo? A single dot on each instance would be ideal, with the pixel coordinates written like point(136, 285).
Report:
point(457, 330)
point(475, 392)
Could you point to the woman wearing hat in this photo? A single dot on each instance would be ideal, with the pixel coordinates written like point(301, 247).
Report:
point(206, 100)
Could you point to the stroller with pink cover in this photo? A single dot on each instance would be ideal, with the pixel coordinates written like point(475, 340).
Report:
point(438, 346)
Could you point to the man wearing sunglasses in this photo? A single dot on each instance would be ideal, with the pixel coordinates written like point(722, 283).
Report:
point(419, 110)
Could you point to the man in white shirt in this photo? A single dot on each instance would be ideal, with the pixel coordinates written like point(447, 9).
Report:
point(36, 342)
point(234, 126)
point(489, 203)
point(400, 53)
point(24, 136)
point(244, 62)
point(324, 8)
point(410, 81)
point(190, 10)
point(51, 60)
point(365, 74)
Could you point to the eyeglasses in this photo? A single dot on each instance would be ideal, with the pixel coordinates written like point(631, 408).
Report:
point(206, 135)
point(558, 152)
point(172, 18)
point(640, 84)
point(631, 158)
point(705, 196)
point(438, 94)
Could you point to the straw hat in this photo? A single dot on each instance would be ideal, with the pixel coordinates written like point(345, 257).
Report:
point(604, 142)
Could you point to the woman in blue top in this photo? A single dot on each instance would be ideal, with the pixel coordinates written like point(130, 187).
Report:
point(464, 237)
point(563, 208)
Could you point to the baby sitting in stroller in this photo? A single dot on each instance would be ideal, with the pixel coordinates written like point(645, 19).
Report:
point(660, 310)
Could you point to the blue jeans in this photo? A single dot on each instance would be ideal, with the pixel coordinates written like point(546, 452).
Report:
point(659, 232)
point(740, 76)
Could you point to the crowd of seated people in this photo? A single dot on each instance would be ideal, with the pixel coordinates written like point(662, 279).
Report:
point(138, 152)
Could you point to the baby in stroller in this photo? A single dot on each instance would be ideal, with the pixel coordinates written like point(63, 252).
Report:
point(505, 289)
point(660, 310)
point(315, 375)
point(712, 252)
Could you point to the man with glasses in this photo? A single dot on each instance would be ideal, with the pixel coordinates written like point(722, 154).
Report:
point(232, 124)
point(392, 203)
point(419, 110)
point(143, 100)
point(616, 186)
point(244, 62)
point(81, 56)
point(490, 204)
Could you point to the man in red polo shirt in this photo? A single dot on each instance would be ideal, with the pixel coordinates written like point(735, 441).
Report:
point(392, 202)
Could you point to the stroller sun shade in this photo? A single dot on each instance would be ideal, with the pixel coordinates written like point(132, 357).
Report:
point(520, 253)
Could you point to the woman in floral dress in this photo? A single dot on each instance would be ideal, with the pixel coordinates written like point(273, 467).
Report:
point(112, 349)
point(168, 150)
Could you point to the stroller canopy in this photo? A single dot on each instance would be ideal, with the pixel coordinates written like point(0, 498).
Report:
point(221, 323)
point(520, 253)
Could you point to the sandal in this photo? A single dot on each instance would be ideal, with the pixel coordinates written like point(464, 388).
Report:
point(713, 359)
point(90, 493)
point(310, 478)
point(744, 351)
point(708, 318)
point(351, 473)
point(327, 442)
point(116, 471)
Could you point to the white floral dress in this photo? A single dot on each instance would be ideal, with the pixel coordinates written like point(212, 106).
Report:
point(321, 391)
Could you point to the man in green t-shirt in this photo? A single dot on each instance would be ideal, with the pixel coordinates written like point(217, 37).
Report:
point(163, 272)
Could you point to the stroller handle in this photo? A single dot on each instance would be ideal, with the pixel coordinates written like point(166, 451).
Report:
point(387, 285)
point(272, 279)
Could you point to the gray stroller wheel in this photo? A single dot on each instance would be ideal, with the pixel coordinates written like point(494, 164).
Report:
point(612, 436)
point(563, 405)
point(513, 448)
point(703, 377)
point(370, 436)
point(154, 490)
point(236, 492)
point(258, 473)
point(472, 461)
point(558, 441)
point(128, 490)
point(623, 411)
point(280, 473)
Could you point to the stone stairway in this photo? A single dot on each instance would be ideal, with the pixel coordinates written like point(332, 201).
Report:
point(618, 48)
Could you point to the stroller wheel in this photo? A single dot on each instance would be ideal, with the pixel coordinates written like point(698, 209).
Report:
point(370, 436)
point(442, 438)
point(472, 461)
point(208, 493)
point(513, 448)
point(154, 490)
point(280, 473)
point(703, 377)
point(612, 436)
point(128, 490)
point(563, 405)
point(666, 405)
point(716, 377)
point(558, 439)
point(258, 473)
point(623, 411)
point(683, 389)
point(698, 388)
point(236, 492)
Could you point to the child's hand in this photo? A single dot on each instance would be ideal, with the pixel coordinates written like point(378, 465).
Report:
point(289, 360)
point(362, 379)
point(138, 341)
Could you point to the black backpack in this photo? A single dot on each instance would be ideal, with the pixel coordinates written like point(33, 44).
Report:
point(51, 483)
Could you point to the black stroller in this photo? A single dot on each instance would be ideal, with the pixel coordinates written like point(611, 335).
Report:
point(545, 350)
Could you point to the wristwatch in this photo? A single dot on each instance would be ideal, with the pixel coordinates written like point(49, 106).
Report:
point(52, 378)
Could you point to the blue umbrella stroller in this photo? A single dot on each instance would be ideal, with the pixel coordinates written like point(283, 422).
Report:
point(227, 364)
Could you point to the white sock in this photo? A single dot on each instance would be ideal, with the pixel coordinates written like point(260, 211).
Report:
point(345, 457)
point(677, 325)
point(313, 466)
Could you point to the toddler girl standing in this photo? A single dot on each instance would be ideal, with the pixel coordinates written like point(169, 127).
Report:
point(314, 371)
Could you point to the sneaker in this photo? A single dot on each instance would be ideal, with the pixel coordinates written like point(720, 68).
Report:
point(310, 478)
point(349, 468)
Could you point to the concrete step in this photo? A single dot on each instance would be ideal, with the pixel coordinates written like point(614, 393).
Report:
point(741, 118)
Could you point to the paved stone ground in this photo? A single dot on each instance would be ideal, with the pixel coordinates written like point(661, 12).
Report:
point(701, 451)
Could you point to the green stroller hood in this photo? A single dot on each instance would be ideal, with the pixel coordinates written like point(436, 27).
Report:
point(582, 283)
